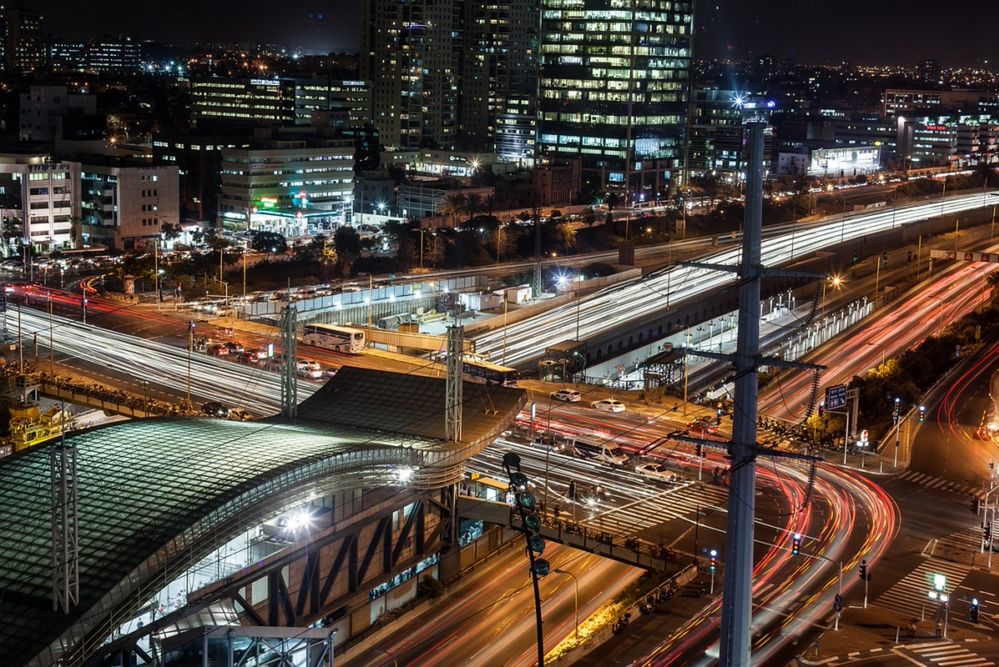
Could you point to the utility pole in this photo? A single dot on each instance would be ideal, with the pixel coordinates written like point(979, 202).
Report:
point(289, 374)
point(737, 598)
point(538, 284)
point(454, 382)
point(65, 522)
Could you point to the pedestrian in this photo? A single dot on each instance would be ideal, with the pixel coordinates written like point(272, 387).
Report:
point(556, 510)
point(939, 630)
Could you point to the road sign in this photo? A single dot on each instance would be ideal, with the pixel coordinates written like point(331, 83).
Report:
point(835, 397)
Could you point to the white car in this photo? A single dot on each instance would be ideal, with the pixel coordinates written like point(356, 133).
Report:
point(655, 470)
point(608, 405)
point(567, 395)
point(310, 370)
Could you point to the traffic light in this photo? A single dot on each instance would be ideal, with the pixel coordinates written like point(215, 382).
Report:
point(700, 450)
point(796, 544)
point(527, 506)
point(988, 531)
point(884, 259)
point(922, 413)
point(862, 570)
point(822, 409)
point(572, 490)
point(713, 554)
point(974, 610)
point(838, 602)
point(974, 505)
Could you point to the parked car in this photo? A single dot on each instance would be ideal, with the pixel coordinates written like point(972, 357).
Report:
point(233, 346)
point(218, 350)
point(608, 405)
point(331, 372)
point(215, 409)
point(567, 395)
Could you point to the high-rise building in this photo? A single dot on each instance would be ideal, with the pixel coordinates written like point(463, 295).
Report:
point(45, 109)
point(929, 73)
point(3, 38)
point(411, 54)
point(614, 90)
point(118, 55)
point(715, 142)
point(25, 46)
point(499, 67)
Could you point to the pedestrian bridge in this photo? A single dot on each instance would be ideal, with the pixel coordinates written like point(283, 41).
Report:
point(157, 495)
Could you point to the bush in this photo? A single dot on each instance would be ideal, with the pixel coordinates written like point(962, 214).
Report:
point(429, 587)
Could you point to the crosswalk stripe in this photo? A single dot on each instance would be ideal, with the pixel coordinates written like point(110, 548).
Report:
point(909, 594)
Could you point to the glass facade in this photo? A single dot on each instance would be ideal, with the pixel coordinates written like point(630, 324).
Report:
point(614, 89)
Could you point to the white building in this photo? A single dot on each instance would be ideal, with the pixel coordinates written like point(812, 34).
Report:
point(292, 186)
point(44, 195)
point(125, 205)
point(845, 162)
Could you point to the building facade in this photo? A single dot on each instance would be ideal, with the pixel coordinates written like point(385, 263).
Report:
point(715, 134)
point(335, 102)
point(614, 84)
point(44, 194)
point(125, 206)
point(411, 55)
point(295, 187)
point(249, 100)
point(198, 159)
point(43, 110)
point(24, 40)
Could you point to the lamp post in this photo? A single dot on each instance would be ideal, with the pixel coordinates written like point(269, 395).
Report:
point(575, 582)
point(835, 281)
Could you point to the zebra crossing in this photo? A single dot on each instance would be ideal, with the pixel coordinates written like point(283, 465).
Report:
point(909, 594)
point(959, 544)
point(944, 654)
point(932, 482)
point(682, 501)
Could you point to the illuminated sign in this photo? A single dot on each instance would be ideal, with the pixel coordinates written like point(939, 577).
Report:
point(264, 82)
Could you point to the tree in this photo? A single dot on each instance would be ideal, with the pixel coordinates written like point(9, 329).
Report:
point(170, 231)
point(993, 282)
point(612, 200)
point(473, 204)
point(347, 243)
point(454, 206)
point(262, 241)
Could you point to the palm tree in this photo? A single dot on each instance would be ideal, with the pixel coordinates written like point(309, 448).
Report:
point(473, 204)
point(454, 205)
point(993, 282)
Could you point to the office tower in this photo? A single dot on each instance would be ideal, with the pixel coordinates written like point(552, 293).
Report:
point(614, 90)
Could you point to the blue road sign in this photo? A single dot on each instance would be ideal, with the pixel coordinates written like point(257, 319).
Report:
point(835, 397)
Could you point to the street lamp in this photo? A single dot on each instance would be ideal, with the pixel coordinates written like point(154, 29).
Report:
point(834, 281)
point(575, 582)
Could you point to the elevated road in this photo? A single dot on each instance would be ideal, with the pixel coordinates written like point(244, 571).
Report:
point(626, 304)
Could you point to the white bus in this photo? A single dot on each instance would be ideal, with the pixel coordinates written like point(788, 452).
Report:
point(332, 337)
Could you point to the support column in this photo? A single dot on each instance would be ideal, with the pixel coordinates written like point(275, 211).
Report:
point(289, 374)
point(737, 598)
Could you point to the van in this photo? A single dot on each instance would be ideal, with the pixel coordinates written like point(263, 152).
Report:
point(602, 452)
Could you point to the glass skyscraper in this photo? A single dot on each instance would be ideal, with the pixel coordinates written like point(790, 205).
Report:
point(614, 90)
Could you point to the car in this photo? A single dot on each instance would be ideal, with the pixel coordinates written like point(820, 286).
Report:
point(218, 350)
point(240, 415)
point(234, 347)
point(331, 372)
point(608, 405)
point(309, 369)
point(567, 395)
point(656, 471)
point(215, 409)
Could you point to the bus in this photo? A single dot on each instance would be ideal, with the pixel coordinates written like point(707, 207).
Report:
point(478, 370)
point(483, 372)
point(332, 337)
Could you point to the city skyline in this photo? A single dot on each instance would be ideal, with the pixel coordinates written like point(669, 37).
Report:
point(725, 29)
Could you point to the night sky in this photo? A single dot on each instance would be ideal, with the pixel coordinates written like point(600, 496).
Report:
point(955, 32)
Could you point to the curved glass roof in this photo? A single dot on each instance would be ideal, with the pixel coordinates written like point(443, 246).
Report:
point(141, 484)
